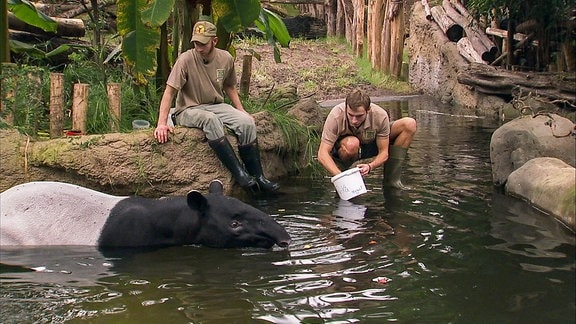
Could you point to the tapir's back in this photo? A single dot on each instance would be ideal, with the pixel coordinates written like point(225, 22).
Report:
point(53, 213)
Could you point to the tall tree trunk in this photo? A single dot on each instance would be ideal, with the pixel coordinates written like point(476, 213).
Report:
point(359, 18)
point(385, 45)
point(5, 48)
point(330, 17)
point(379, 10)
point(396, 37)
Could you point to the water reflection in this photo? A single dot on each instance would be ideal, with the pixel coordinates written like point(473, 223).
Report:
point(527, 232)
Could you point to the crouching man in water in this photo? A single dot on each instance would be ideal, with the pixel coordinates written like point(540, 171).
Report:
point(200, 77)
point(358, 129)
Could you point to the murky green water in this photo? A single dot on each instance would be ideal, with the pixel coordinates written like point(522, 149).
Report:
point(451, 250)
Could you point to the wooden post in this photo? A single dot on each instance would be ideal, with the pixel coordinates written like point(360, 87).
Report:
point(114, 104)
point(246, 75)
point(80, 107)
point(359, 24)
point(56, 104)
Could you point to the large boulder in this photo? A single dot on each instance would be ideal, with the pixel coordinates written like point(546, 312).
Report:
point(549, 184)
point(529, 137)
point(135, 163)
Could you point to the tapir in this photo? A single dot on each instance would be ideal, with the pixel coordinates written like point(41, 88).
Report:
point(56, 213)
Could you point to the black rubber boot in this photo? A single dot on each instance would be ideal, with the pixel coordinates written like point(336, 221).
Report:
point(228, 157)
point(393, 168)
point(250, 155)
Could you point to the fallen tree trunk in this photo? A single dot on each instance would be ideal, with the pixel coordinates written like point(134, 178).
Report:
point(495, 81)
point(466, 49)
point(451, 29)
point(66, 27)
point(427, 10)
point(479, 40)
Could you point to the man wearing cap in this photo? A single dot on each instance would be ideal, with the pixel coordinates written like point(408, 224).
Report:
point(199, 79)
point(359, 129)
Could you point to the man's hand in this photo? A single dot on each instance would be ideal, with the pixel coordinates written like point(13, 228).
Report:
point(161, 133)
point(364, 168)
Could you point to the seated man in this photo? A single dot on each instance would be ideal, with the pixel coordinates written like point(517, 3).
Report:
point(358, 129)
point(199, 78)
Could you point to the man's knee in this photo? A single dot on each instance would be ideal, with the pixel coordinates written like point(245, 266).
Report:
point(406, 126)
point(410, 125)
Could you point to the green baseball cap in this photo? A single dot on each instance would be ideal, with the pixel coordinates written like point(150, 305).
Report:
point(203, 32)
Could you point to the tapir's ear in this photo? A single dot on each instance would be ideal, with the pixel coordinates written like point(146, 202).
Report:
point(197, 201)
point(216, 187)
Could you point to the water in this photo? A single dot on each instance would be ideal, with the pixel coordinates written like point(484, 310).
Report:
point(451, 250)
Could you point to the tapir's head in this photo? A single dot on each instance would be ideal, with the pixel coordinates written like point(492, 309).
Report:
point(228, 222)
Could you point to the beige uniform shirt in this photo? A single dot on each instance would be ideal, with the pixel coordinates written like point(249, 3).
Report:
point(336, 125)
point(200, 83)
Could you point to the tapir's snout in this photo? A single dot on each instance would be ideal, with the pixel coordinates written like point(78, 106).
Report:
point(284, 243)
point(282, 238)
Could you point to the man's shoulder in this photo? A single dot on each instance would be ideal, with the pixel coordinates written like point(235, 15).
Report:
point(339, 107)
point(337, 110)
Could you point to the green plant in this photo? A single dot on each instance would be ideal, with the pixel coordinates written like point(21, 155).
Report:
point(23, 90)
point(296, 135)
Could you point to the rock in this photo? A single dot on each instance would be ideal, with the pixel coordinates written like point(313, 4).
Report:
point(549, 184)
point(526, 138)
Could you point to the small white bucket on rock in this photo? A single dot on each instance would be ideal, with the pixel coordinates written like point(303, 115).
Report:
point(349, 184)
point(140, 124)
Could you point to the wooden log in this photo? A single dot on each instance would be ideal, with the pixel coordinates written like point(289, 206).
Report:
point(451, 29)
point(66, 27)
point(246, 75)
point(427, 10)
point(466, 49)
point(491, 80)
point(114, 92)
point(56, 105)
point(502, 33)
point(478, 38)
point(78, 10)
point(80, 107)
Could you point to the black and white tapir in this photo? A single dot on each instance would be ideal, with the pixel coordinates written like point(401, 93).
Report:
point(56, 213)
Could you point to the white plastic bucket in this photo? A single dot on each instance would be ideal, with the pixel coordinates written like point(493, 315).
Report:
point(349, 184)
point(140, 124)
